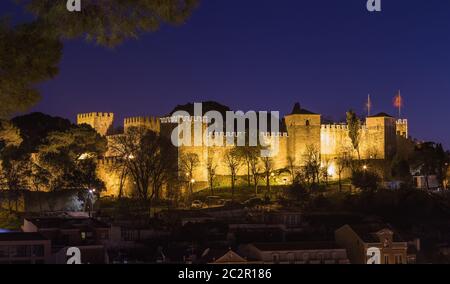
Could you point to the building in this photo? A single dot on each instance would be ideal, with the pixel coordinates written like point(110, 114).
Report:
point(358, 239)
point(295, 253)
point(221, 256)
point(88, 234)
point(300, 131)
point(426, 182)
point(24, 248)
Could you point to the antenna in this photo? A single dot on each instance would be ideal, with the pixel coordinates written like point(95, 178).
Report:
point(368, 105)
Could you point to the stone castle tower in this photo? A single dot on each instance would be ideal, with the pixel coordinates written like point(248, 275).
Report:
point(100, 121)
point(303, 128)
point(402, 128)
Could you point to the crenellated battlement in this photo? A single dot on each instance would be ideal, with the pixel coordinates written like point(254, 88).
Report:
point(142, 119)
point(334, 127)
point(151, 122)
point(101, 121)
point(95, 114)
point(401, 126)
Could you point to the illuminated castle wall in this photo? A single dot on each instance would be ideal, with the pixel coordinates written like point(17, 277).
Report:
point(303, 129)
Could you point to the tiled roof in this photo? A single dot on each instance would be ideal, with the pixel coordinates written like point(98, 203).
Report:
point(299, 110)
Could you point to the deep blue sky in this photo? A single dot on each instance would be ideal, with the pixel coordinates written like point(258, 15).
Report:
point(266, 55)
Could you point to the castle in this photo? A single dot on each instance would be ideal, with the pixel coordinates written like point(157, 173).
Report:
point(301, 129)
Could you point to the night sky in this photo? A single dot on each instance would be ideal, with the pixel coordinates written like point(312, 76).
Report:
point(266, 55)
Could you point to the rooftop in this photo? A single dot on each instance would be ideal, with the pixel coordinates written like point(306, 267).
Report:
point(367, 232)
point(299, 110)
point(21, 236)
point(66, 223)
point(286, 246)
point(381, 114)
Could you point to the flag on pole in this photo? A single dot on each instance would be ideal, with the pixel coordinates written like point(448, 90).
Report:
point(398, 103)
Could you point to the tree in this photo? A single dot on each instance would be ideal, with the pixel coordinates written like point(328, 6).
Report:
point(431, 159)
point(70, 158)
point(324, 169)
point(298, 191)
point(148, 160)
point(39, 179)
point(106, 22)
point(245, 153)
point(234, 161)
point(120, 167)
point(248, 154)
point(292, 168)
point(12, 178)
point(165, 169)
point(312, 164)
point(267, 170)
point(343, 162)
point(400, 169)
point(109, 22)
point(255, 171)
point(354, 129)
point(211, 167)
point(11, 166)
point(365, 180)
point(188, 163)
point(28, 56)
point(35, 127)
point(9, 135)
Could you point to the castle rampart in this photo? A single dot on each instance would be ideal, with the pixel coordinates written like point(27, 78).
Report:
point(150, 122)
point(102, 122)
point(303, 129)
